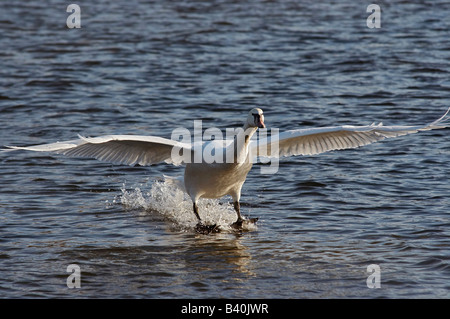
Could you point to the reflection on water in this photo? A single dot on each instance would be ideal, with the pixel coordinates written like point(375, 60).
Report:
point(227, 252)
point(188, 263)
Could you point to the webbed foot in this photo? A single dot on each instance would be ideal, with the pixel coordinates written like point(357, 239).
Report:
point(206, 229)
point(243, 223)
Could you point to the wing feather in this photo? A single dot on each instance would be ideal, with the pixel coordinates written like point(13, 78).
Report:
point(319, 140)
point(120, 149)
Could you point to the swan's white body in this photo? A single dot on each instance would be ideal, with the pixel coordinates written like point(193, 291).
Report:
point(215, 180)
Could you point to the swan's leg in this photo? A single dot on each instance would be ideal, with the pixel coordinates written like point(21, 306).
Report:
point(239, 223)
point(237, 208)
point(196, 212)
point(200, 227)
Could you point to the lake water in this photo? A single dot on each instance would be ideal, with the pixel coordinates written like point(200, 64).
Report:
point(148, 67)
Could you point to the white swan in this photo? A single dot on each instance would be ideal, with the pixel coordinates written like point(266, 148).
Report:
point(215, 180)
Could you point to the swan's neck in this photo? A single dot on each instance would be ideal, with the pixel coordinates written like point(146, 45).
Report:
point(241, 142)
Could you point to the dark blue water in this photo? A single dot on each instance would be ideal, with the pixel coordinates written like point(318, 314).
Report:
point(147, 67)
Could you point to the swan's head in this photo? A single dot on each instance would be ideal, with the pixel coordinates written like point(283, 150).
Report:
point(255, 118)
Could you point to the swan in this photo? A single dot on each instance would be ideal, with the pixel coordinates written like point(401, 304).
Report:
point(206, 179)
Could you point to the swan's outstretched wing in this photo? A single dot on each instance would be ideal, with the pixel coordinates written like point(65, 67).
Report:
point(120, 149)
point(319, 140)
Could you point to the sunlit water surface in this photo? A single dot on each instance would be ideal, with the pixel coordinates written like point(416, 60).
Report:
point(147, 68)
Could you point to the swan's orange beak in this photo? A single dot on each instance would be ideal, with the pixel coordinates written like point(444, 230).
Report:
point(261, 123)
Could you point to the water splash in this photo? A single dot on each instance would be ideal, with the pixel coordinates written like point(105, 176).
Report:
point(172, 202)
